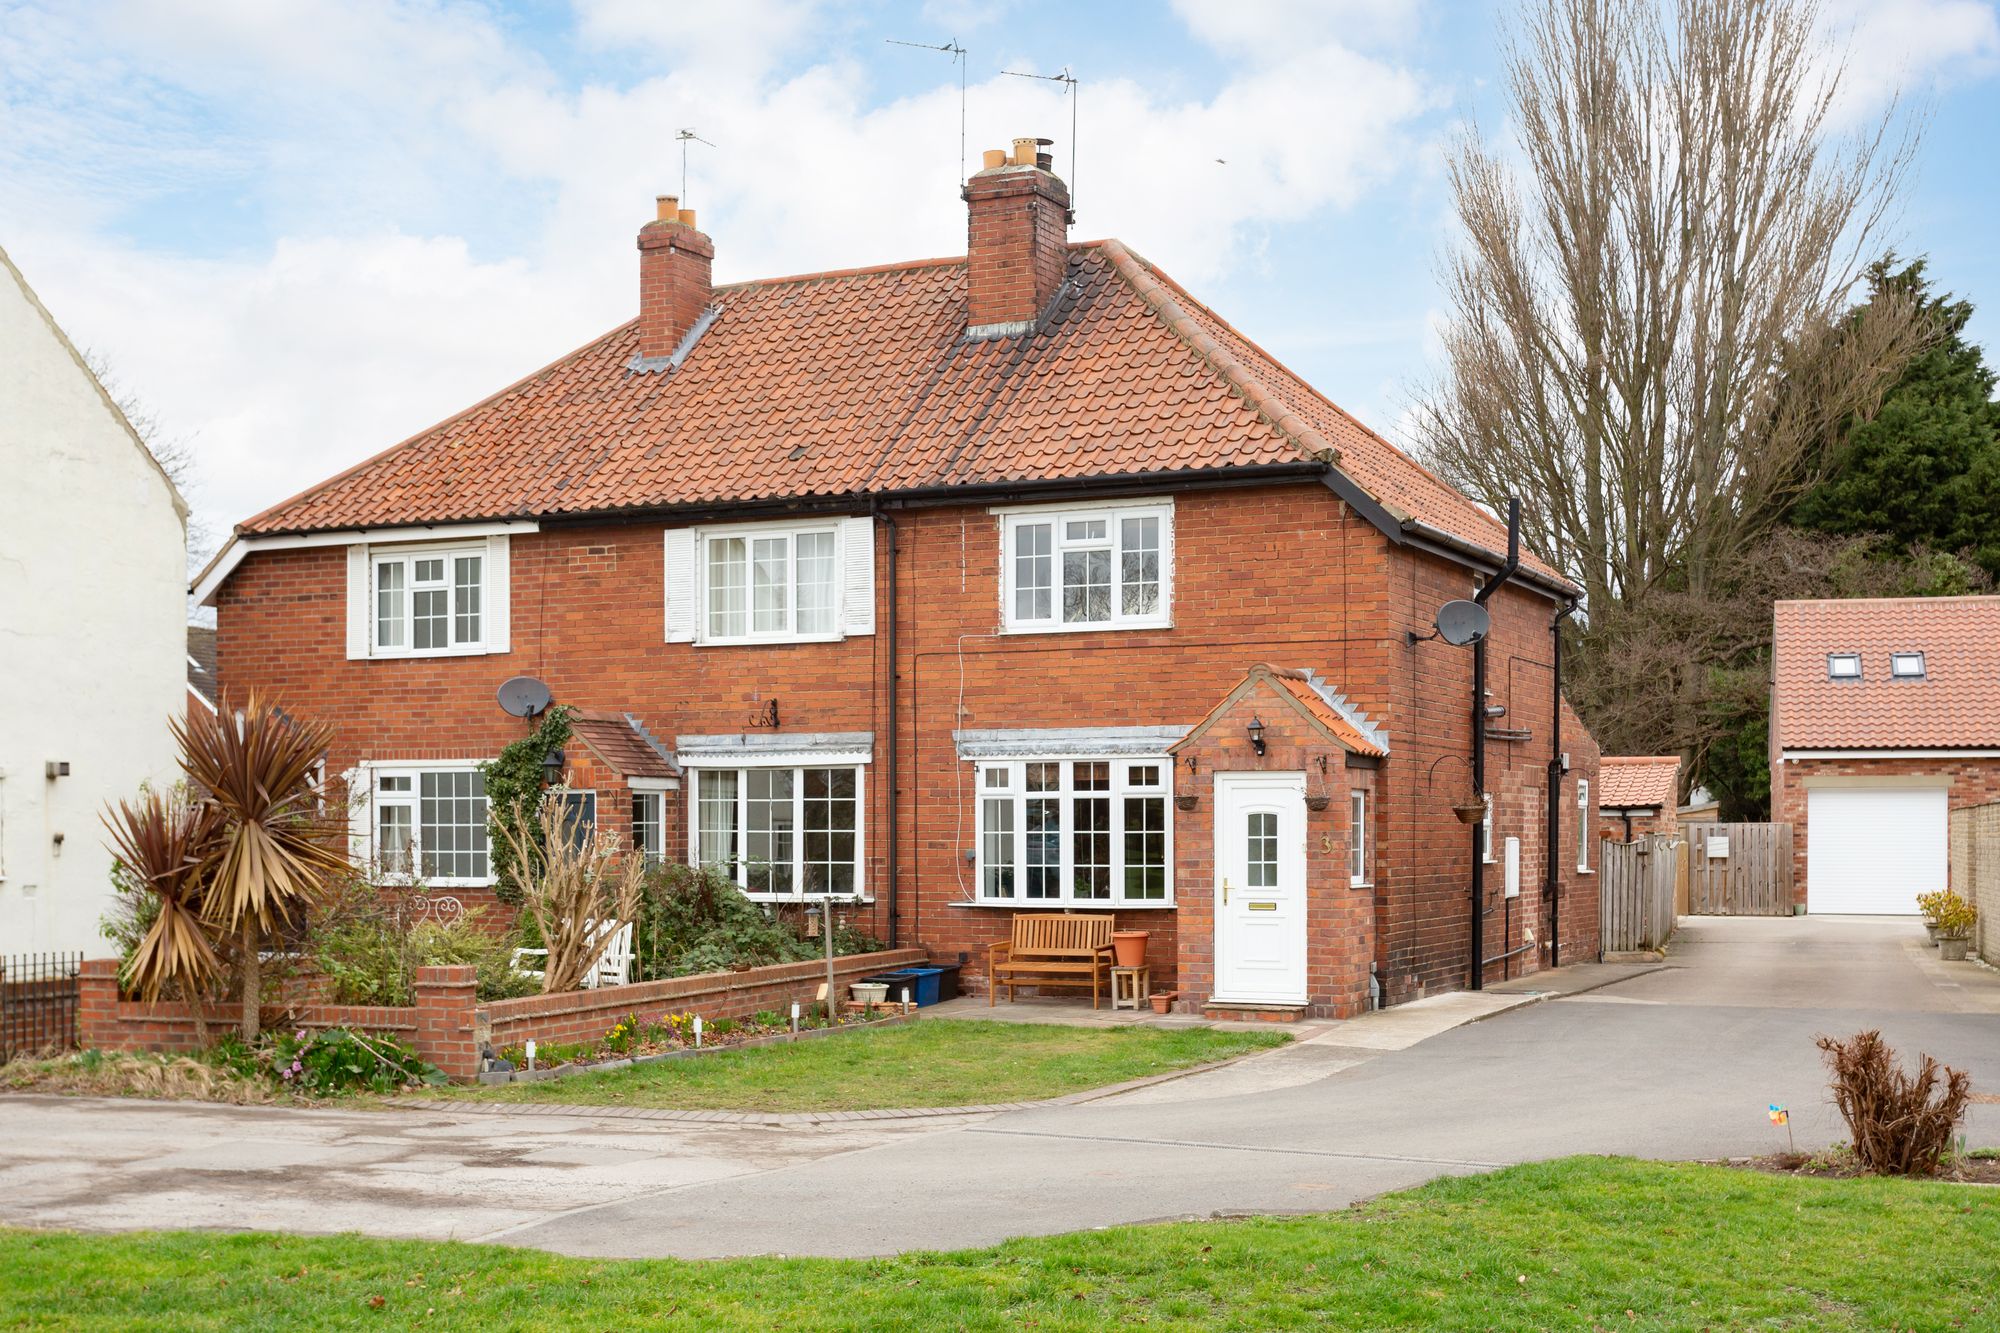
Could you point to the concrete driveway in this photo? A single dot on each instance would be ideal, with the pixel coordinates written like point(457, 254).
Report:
point(1677, 1062)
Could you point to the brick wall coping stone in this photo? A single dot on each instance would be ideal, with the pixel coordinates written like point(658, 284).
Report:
point(638, 993)
point(500, 1078)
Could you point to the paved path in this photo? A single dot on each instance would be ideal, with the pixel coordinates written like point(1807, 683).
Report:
point(1666, 1061)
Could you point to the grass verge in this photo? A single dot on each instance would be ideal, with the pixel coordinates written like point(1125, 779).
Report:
point(933, 1062)
point(1581, 1243)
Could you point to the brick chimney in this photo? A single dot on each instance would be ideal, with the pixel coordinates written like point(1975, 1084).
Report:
point(674, 282)
point(1017, 231)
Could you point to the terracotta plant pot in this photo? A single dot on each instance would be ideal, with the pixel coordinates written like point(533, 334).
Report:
point(1128, 947)
point(1162, 1001)
point(1954, 947)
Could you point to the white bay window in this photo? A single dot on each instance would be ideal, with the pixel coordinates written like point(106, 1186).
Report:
point(1106, 567)
point(1075, 831)
point(781, 832)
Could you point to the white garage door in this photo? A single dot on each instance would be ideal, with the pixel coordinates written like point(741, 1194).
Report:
point(1874, 849)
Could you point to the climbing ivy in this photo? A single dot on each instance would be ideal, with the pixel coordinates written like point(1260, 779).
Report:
point(514, 789)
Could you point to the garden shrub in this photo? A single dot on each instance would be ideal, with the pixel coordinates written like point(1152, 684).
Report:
point(340, 1060)
point(694, 920)
point(360, 942)
point(1901, 1125)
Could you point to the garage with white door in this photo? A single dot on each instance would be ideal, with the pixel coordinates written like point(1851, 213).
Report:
point(1872, 850)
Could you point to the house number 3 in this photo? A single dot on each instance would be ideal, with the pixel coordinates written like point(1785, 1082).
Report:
point(1326, 844)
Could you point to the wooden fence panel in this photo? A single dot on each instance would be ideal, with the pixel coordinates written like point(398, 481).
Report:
point(1637, 893)
point(1975, 872)
point(1739, 869)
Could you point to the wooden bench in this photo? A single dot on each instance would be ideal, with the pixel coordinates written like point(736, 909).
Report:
point(1047, 949)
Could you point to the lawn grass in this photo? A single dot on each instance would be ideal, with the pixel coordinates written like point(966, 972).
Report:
point(1582, 1243)
point(932, 1062)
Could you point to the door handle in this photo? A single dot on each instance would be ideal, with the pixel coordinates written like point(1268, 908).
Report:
point(1225, 890)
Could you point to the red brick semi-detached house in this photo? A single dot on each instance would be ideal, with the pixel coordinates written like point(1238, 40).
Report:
point(913, 584)
point(1885, 717)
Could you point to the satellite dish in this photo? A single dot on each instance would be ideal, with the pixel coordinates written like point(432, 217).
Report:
point(1461, 623)
point(524, 696)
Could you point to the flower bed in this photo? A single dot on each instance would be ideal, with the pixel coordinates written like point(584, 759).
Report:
point(635, 1041)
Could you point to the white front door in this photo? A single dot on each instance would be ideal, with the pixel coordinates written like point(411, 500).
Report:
point(1260, 887)
point(1874, 849)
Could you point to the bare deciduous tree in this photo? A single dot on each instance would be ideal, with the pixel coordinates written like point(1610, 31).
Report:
point(1649, 329)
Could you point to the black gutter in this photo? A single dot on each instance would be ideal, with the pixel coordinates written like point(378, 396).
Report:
point(1479, 830)
point(895, 797)
point(1552, 880)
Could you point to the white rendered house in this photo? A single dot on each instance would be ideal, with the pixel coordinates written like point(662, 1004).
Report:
point(93, 646)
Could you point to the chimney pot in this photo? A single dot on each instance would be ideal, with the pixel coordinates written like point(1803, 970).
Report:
point(666, 207)
point(687, 217)
point(995, 157)
point(1024, 152)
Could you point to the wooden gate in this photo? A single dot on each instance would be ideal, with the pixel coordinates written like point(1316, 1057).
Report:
point(1739, 869)
point(1637, 893)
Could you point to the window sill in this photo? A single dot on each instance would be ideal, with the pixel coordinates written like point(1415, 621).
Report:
point(1012, 631)
point(1585, 870)
point(810, 899)
point(1046, 905)
point(394, 655)
point(769, 641)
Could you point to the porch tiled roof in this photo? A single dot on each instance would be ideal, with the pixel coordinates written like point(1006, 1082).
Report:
point(620, 741)
point(1955, 704)
point(1331, 711)
point(857, 383)
point(1630, 782)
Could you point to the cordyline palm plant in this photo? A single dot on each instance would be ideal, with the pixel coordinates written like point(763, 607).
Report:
point(164, 842)
point(272, 850)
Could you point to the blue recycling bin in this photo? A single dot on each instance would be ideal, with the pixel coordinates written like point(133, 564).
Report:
point(920, 985)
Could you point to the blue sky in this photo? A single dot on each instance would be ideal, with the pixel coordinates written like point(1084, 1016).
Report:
point(300, 231)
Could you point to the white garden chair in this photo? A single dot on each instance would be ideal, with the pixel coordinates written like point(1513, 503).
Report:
point(613, 967)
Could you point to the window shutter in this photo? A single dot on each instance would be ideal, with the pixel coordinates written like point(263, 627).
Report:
point(683, 589)
point(857, 575)
point(358, 600)
point(499, 601)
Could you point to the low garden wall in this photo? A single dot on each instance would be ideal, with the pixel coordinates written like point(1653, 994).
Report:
point(448, 1024)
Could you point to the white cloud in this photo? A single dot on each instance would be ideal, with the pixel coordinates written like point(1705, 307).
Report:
point(1908, 47)
point(1270, 29)
point(452, 214)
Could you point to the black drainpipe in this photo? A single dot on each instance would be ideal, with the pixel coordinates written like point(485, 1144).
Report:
point(1552, 879)
point(895, 797)
point(1492, 586)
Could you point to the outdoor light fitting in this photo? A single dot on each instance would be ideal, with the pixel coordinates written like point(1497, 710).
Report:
point(1257, 736)
point(552, 768)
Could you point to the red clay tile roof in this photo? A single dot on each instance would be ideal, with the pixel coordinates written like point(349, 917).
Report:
point(1627, 782)
point(1955, 704)
point(620, 742)
point(855, 383)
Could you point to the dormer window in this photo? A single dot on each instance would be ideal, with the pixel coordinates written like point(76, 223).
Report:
point(1843, 666)
point(1906, 666)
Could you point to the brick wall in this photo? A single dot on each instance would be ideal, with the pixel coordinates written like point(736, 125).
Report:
point(1285, 574)
point(447, 1025)
point(1970, 782)
point(1644, 823)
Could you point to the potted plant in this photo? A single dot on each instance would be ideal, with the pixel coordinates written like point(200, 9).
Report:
point(1956, 917)
point(1162, 1000)
point(1470, 810)
point(1128, 947)
point(1930, 904)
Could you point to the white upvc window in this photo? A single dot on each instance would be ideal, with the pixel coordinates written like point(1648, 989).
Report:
point(1584, 821)
point(766, 584)
point(1075, 831)
point(1486, 829)
point(649, 825)
point(1359, 868)
point(1093, 567)
point(781, 833)
point(427, 601)
point(427, 822)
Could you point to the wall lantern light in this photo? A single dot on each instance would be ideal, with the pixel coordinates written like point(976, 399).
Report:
point(1257, 736)
point(552, 768)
